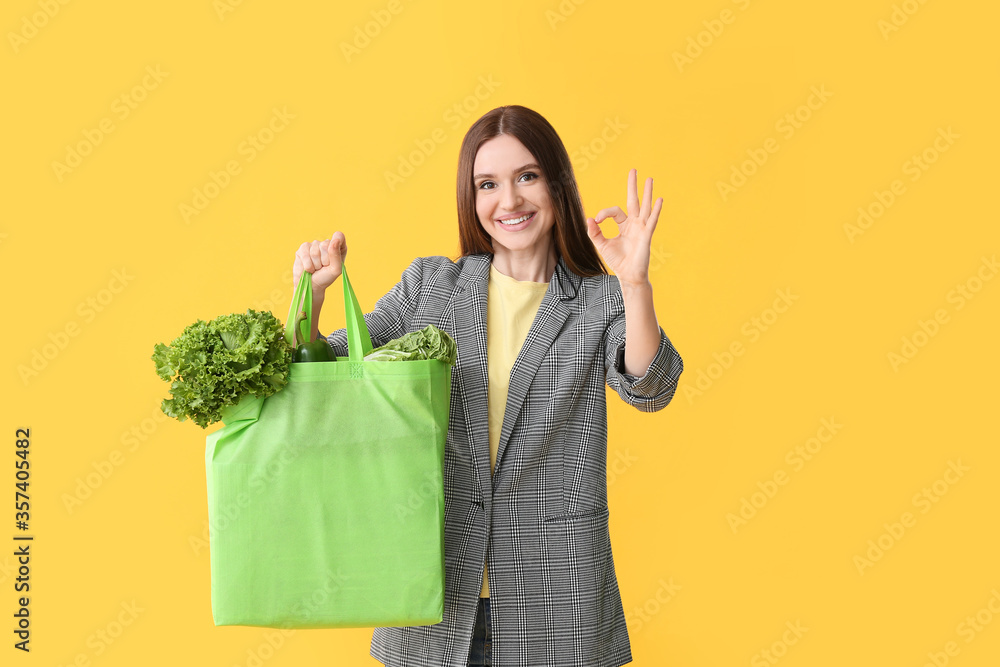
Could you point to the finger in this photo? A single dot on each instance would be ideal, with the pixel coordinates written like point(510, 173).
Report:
point(303, 255)
point(632, 205)
point(655, 214)
point(647, 199)
point(595, 233)
point(316, 254)
point(614, 212)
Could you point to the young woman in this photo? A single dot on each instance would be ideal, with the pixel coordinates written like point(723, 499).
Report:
point(541, 328)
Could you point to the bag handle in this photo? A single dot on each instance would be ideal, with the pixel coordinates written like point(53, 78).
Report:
point(359, 342)
point(301, 305)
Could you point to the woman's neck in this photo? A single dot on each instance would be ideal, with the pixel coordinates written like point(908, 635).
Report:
point(527, 265)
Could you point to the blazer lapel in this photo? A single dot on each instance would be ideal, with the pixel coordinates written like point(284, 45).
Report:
point(548, 322)
point(470, 331)
point(470, 337)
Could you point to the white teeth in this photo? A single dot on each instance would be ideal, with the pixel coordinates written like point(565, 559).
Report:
point(516, 221)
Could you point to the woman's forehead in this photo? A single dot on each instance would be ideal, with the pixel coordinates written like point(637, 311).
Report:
point(503, 152)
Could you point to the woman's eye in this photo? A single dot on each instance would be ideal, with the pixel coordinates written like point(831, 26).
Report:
point(490, 185)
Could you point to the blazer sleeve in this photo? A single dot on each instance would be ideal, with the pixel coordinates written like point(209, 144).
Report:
point(392, 314)
point(650, 392)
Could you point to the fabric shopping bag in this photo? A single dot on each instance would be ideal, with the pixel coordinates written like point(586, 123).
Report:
point(326, 499)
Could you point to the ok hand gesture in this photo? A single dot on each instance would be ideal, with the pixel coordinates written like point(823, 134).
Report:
point(628, 253)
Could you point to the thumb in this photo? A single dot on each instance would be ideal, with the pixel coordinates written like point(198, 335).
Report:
point(330, 248)
point(341, 242)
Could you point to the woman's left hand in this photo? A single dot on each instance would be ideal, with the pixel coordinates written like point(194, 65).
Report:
point(628, 253)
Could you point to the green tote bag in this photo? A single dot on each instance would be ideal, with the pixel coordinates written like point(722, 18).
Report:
point(326, 499)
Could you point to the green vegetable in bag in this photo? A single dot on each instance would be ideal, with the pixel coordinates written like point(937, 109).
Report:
point(428, 343)
point(215, 364)
point(317, 350)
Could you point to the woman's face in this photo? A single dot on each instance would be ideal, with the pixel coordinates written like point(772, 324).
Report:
point(509, 185)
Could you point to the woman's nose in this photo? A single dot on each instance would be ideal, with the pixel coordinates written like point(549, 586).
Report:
point(510, 198)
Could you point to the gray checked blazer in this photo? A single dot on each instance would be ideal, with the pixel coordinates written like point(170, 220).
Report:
point(543, 518)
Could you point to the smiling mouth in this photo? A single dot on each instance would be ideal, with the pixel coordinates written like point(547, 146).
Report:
point(516, 221)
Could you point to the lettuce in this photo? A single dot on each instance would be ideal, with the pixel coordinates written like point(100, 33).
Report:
point(428, 343)
point(214, 364)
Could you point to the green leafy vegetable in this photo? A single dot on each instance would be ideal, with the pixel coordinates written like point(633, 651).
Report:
point(215, 364)
point(428, 343)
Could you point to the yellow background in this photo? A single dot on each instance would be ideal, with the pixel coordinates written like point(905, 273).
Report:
point(718, 263)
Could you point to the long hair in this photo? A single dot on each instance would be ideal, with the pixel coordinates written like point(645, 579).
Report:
point(570, 229)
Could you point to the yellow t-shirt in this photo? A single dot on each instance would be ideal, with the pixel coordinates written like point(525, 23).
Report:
point(510, 310)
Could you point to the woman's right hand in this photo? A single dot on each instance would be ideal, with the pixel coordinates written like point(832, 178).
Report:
point(323, 259)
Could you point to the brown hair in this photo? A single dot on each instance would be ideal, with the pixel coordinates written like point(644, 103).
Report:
point(570, 230)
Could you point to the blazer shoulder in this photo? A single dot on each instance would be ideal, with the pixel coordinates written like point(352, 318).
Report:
point(438, 278)
point(437, 270)
point(437, 263)
point(602, 291)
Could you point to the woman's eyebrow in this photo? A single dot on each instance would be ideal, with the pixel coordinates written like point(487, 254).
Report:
point(532, 165)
